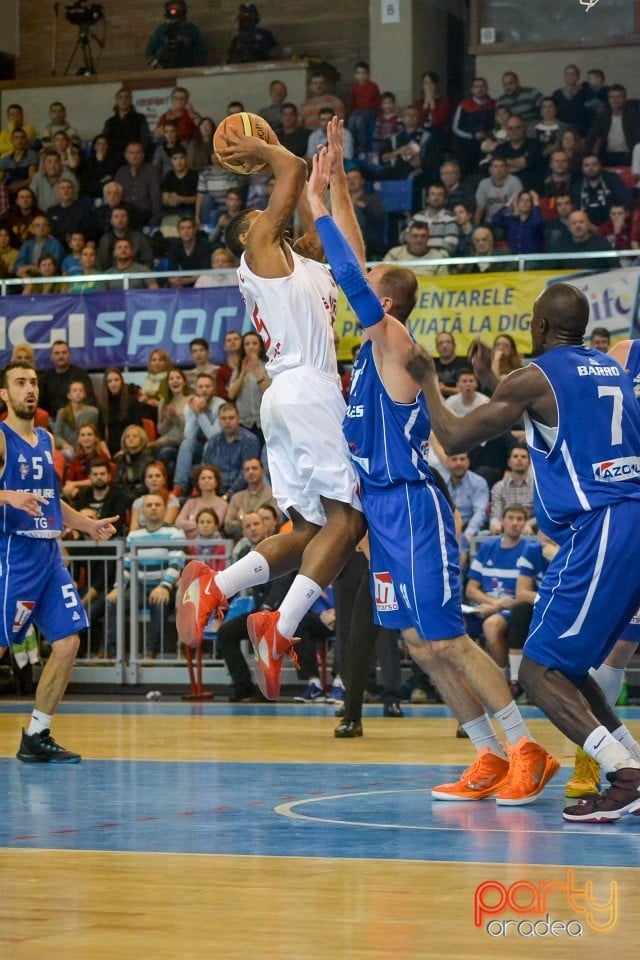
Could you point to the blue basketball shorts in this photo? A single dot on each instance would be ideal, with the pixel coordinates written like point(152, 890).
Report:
point(589, 593)
point(35, 585)
point(414, 561)
point(631, 632)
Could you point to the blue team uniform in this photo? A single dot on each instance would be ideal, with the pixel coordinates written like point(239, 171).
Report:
point(34, 583)
point(587, 498)
point(632, 630)
point(495, 569)
point(414, 553)
point(532, 562)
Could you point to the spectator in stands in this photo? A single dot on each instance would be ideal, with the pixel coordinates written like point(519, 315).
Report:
point(166, 147)
point(320, 97)
point(15, 118)
point(433, 109)
point(571, 99)
point(70, 215)
point(207, 482)
point(131, 461)
point(504, 356)
point(522, 221)
point(55, 382)
point(495, 137)
point(364, 103)
point(271, 518)
point(443, 233)
point(548, 131)
point(69, 155)
point(495, 191)
point(120, 229)
point(182, 112)
point(523, 102)
point(229, 448)
point(171, 420)
point(387, 123)
point(247, 388)
point(469, 493)
point(573, 145)
point(156, 480)
point(19, 167)
point(621, 230)
point(293, 136)
point(491, 584)
point(415, 250)
point(472, 122)
point(616, 130)
point(45, 181)
point(251, 43)
point(89, 267)
point(597, 190)
point(176, 42)
point(597, 92)
point(157, 572)
point(46, 267)
point(214, 182)
point(58, 123)
point(19, 221)
point(201, 423)
point(213, 551)
point(463, 216)
point(522, 153)
point(112, 196)
point(71, 266)
point(101, 496)
point(120, 408)
point(556, 229)
point(199, 150)
point(124, 263)
point(233, 205)
point(89, 447)
point(484, 246)
point(8, 254)
point(458, 190)
point(75, 414)
point(41, 244)
point(273, 112)
point(256, 494)
point(448, 364)
point(231, 346)
point(559, 180)
point(318, 136)
point(179, 189)
point(635, 164)
point(466, 398)
point(200, 351)
point(369, 212)
point(154, 389)
point(126, 126)
point(190, 250)
point(583, 240)
point(516, 488)
point(141, 185)
point(600, 339)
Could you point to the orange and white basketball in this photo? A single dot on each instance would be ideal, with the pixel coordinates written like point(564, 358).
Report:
point(249, 124)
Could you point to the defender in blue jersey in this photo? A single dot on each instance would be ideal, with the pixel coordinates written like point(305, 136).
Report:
point(583, 432)
point(414, 552)
point(34, 583)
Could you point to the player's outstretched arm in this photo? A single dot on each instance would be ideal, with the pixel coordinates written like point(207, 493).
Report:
point(341, 204)
point(98, 529)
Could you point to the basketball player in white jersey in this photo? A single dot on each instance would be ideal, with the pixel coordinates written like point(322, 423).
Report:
point(292, 302)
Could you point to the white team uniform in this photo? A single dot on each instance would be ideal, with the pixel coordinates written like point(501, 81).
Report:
point(303, 409)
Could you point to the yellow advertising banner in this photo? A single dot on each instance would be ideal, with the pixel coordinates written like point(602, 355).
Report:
point(466, 306)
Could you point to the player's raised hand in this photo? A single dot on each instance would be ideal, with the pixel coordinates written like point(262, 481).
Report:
point(480, 356)
point(420, 364)
point(319, 182)
point(335, 142)
point(31, 503)
point(241, 148)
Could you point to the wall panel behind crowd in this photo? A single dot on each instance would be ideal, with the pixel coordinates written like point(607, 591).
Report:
point(341, 35)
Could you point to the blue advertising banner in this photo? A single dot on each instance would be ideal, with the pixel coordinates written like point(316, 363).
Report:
point(120, 328)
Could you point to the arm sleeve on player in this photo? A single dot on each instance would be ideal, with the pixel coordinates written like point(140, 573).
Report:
point(348, 273)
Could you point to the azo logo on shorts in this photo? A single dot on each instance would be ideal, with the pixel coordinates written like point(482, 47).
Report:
point(385, 594)
point(622, 468)
point(24, 609)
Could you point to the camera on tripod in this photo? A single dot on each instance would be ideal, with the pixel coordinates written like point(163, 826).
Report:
point(83, 14)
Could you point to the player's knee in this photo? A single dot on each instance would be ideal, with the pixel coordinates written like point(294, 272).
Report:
point(531, 677)
point(67, 647)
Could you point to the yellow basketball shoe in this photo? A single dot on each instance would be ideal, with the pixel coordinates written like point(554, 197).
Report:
point(585, 778)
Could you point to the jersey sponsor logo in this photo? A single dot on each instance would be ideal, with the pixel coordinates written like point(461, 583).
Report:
point(594, 369)
point(385, 594)
point(24, 471)
point(622, 468)
point(24, 609)
point(355, 410)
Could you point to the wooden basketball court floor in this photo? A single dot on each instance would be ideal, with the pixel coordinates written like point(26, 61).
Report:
point(220, 831)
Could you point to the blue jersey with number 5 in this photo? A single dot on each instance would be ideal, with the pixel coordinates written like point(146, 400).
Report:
point(29, 469)
point(592, 460)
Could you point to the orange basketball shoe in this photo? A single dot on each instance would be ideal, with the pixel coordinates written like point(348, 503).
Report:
point(197, 599)
point(482, 779)
point(270, 647)
point(530, 769)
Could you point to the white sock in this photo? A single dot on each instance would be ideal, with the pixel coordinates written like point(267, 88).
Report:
point(247, 572)
point(610, 754)
point(39, 722)
point(512, 723)
point(624, 736)
point(515, 659)
point(301, 596)
point(482, 734)
point(611, 680)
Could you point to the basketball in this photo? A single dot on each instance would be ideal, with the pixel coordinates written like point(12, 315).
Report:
point(250, 125)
